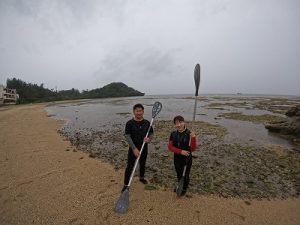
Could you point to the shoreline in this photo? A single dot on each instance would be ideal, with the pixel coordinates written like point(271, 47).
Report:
point(44, 181)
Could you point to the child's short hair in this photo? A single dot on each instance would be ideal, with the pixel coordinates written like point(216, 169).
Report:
point(178, 118)
point(138, 106)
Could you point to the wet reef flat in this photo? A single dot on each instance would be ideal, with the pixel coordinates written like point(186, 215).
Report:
point(236, 156)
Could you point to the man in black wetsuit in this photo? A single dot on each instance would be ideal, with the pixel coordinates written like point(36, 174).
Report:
point(135, 132)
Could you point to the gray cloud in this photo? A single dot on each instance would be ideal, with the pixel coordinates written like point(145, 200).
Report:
point(242, 46)
point(137, 64)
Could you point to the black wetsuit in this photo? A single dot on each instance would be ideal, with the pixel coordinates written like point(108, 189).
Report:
point(180, 140)
point(135, 132)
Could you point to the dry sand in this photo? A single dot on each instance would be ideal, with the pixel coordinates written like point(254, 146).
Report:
point(43, 183)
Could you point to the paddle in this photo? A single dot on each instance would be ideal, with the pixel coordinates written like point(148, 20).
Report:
point(123, 201)
point(179, 188)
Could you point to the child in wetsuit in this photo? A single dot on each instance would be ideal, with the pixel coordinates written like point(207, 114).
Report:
point(182, 143)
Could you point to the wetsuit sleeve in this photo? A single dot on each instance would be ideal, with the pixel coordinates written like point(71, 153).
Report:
point(128, 128)
point(172, 148)
point(128, 135)
point(130, 141)
point(193, 144)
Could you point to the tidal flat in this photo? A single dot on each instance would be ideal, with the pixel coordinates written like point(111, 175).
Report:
point(236, 155)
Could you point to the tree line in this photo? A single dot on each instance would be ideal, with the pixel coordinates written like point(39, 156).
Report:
point(33, 93)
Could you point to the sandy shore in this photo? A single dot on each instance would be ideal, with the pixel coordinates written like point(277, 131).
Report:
point(43, 181)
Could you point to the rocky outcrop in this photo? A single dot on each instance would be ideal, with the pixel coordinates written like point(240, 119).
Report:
point(293, 112)
point(291, 127)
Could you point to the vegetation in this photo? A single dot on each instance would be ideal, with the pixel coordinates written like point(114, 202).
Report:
point(113, 90)
point(30, 93)
point(266, 118)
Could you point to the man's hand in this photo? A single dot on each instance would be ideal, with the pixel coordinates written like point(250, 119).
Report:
point(185, 153)
point(136, 152)
point(147, 140)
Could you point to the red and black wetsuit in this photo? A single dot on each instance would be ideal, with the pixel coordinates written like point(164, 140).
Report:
point(180, 141)
point(135, 132)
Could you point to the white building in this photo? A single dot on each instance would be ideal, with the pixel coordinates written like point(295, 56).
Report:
point(8, 95)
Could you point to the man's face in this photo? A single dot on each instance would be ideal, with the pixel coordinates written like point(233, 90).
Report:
point(138, 113)
point(179, 125)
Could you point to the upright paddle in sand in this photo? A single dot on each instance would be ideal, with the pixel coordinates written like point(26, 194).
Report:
point(197, 83)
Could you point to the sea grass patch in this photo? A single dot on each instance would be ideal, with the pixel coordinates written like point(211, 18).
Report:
point(218, 105)
point(265, 118)
point(277, 105)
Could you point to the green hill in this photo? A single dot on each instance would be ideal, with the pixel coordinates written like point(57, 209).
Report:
point(117, 89)
point(29, 93)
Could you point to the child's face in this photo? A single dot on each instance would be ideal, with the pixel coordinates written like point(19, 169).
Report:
point(179, 125)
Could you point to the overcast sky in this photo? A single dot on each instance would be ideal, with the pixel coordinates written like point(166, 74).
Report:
point(248, 46)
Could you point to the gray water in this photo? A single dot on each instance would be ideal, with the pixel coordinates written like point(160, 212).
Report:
point(101, 114)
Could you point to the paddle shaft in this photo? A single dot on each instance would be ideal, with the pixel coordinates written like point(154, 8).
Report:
point(194, 113)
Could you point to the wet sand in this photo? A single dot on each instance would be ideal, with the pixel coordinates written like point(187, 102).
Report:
point(44, 180)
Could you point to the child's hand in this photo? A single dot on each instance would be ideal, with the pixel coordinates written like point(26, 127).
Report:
point(185, 153)
point(193, 134)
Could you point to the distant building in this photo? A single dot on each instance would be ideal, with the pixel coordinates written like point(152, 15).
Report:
point(8, 95)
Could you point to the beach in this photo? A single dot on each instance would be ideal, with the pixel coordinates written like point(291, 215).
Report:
point(45, 180)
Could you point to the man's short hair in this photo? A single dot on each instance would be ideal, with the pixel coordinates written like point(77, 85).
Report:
point(178, 118)
point(138, 106)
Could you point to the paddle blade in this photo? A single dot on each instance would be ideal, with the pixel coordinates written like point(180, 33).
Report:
point(123, 202)
point(156, 109)
point(197, 78)
point(180, 186)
